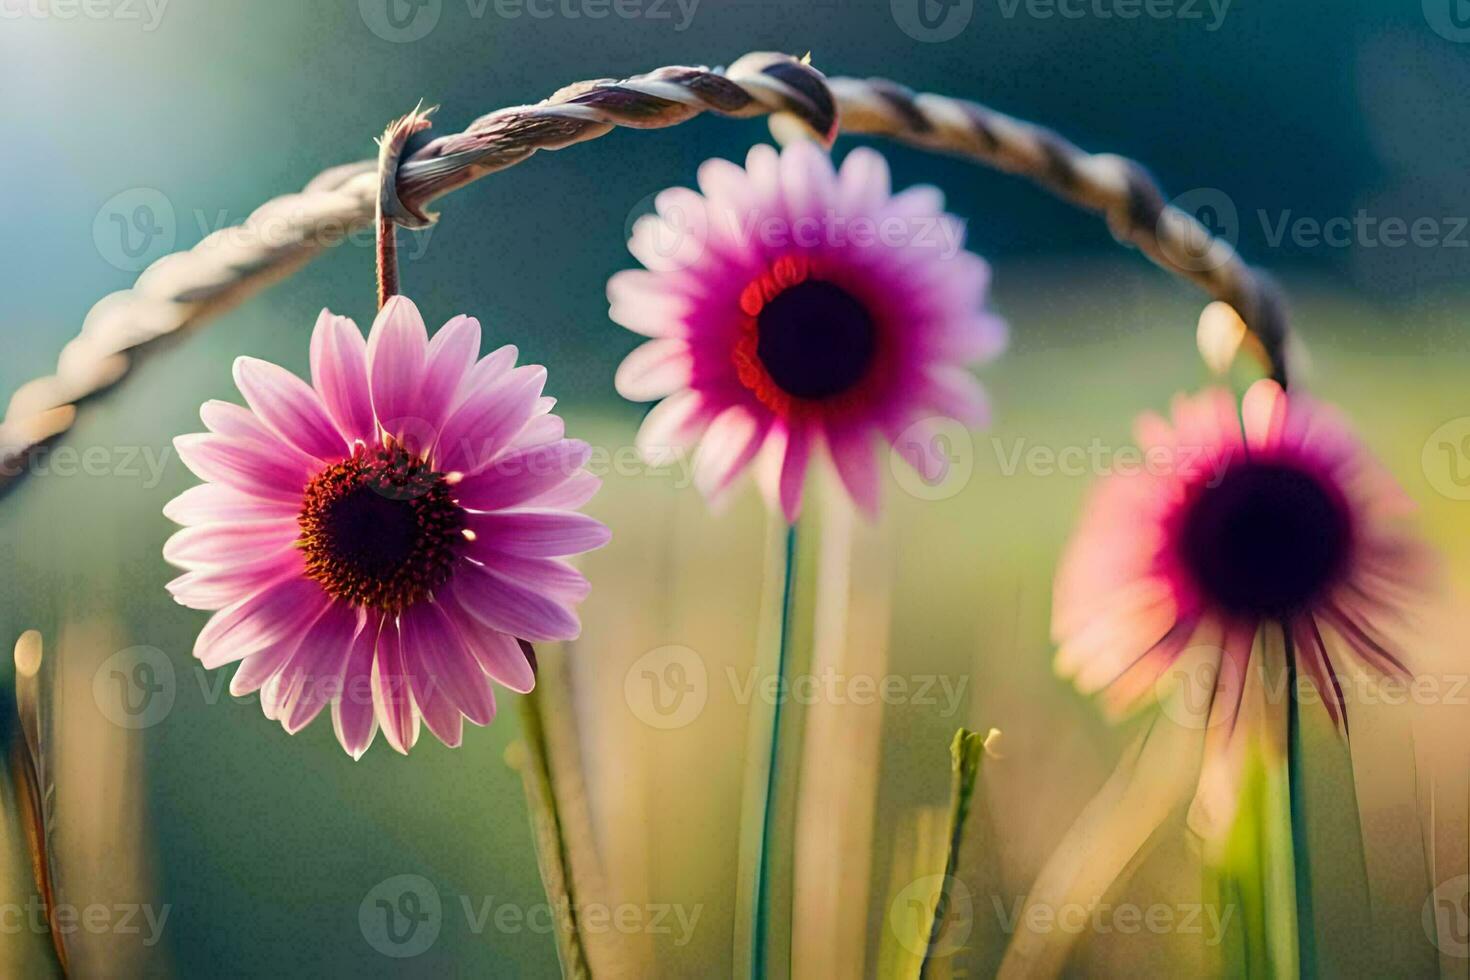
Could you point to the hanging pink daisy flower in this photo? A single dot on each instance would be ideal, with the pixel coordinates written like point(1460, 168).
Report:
point(381, 539)
point(1273, 515)
point(791, 308)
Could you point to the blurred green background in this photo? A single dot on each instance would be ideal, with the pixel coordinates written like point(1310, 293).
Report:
point(265, 847)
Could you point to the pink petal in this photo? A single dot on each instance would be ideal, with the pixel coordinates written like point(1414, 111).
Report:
point(1138, 617)
point(451, 355)
point(519, 475)
point(726, 449)
point(340, 375)
point(539, 533)
point(313, 677)
point(546, 575)
point(671, 427)
point(657, 368)
point(487, 420)
point(226, 544)
point(283, 608)
point(261, 667)
point(246, 465)
point(954, 392)
point(973, 340)
point(644, 303)
point(353, 717)
point(236, 421)
point(541, 429)
point(289, 407)
point(725, 183)
point(396, 351)
point(579, 488)
point(486, 371)
point(863, 182)
point(807, 179)
point(447, 683)
point(512, 609)
point(499, 655)
point(392, 696)
point(218, 587)
point(677, 237)
point(793, 471)
point(852, 456)
point(211, 502)
point(1263, 414)
point(424, 633)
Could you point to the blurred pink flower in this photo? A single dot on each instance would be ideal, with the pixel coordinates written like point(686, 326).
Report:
point(790, 307)
point(381, 539)
point(1272, 514)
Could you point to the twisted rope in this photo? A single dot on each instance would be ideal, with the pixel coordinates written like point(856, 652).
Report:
point(221, 271)
point(1119, 189)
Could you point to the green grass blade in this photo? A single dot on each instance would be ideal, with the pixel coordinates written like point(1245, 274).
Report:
point(532, 759)
point(1154, 779)
point(965, 753)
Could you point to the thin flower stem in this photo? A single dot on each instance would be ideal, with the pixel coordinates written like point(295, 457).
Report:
point(387, 259)
point(23, 751)
point(532, 758)
point(389, 211)
point(759, 802)
point(759, 938)
point(1296, 801)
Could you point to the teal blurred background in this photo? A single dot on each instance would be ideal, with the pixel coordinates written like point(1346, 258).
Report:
point(264, 847)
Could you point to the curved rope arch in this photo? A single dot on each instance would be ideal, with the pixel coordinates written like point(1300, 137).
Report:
point(226, 267)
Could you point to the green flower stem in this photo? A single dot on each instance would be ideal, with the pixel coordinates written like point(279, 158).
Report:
point(768, 817)
point(763, 753)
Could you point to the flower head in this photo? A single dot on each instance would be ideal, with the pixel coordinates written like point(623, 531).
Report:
point(1269, 513)
point(791, 307)
point(382, 539)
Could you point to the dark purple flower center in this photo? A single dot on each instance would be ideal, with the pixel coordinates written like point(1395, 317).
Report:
point(815, 340)
point(1266, 540)
point(380, 529)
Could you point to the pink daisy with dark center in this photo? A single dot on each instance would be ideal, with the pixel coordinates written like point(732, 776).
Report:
point(383, 539)
point(1267, 514)
point(795, 309)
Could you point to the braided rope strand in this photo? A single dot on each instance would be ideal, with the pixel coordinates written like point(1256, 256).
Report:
point(226, 267)
point(1120, 189)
